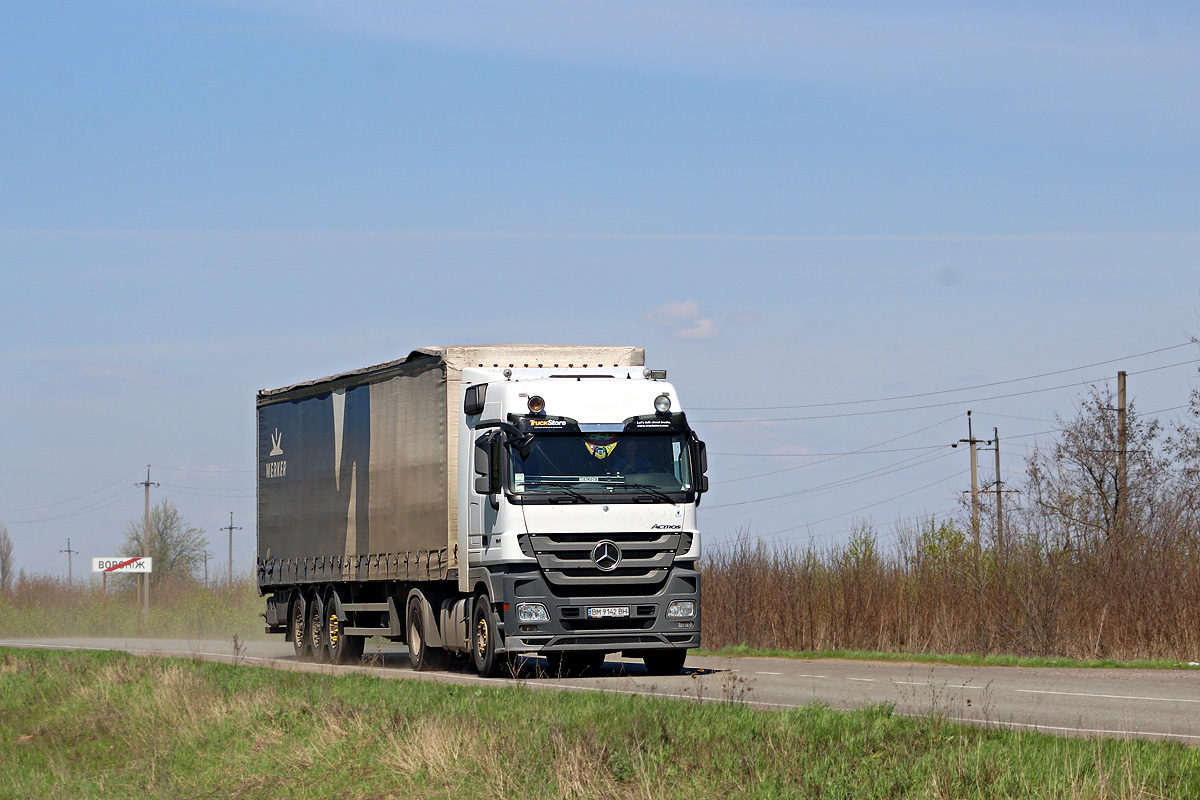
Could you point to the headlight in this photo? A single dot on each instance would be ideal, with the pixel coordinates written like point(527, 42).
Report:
point(662, 404)
point(681, 609)
point(532, 612)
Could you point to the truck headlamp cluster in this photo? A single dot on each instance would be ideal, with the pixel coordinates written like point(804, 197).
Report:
point(532, 612)
point(662, 404)
point(681, 609)
point(536, 405)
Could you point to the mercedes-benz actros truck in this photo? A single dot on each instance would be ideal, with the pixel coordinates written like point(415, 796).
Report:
point(488, 501)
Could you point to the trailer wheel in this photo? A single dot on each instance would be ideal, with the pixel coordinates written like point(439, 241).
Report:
point(664, 662)
point(488, 662)
point(343, 648)
point(299, 630)
point(420, 654)
point(316, 629)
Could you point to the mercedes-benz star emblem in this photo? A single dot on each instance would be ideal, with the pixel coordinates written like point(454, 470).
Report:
point(606, 555)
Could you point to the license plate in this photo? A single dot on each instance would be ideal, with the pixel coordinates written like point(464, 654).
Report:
point(599, 612)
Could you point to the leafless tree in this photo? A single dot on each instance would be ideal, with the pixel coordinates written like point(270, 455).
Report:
point(176, 546)
point(6, 560)
point(1073, 485)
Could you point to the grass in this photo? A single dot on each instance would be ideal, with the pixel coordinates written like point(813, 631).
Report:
point(961, 659)
point(101, 724)
point(42, 606)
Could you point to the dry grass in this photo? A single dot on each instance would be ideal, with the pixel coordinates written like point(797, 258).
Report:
point(1138, 598)
point(43, 606)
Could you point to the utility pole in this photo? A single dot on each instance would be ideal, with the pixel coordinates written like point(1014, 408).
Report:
point(206, 555)
point(972, 441)
point(230, 527)
point(70, 572)
point(999, 494)
point(146, 544)
point(1122, 463)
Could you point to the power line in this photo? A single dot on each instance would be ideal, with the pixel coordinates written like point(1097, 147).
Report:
point(213, 494)
point(122, 479)
point(120, 496)
point(836, 456)
point(864, 508)
point(925, 451)
point(208, 471)
point(211, 488)
point(948, 403)
point(869, 476)
point(842, 482)
point(946, 391)
point(863, 452)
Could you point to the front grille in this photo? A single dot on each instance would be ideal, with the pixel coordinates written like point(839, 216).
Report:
point(607, 624)
point(567, 641)
point(566, 560)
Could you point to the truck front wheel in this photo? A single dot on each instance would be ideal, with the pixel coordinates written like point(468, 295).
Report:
point(420, 655)
point(488, 662)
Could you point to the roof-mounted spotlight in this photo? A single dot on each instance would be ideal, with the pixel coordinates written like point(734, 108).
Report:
point(536, 404)
point(662, 404)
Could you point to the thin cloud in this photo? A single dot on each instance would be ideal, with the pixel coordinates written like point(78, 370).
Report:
point(700, 329)
point(684, 319)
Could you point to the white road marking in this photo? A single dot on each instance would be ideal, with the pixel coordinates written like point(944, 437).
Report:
point(768, 673)
point(864, 680)
point(808, 675)
point(1111, 696)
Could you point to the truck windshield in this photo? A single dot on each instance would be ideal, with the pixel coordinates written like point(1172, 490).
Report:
point(602, 464)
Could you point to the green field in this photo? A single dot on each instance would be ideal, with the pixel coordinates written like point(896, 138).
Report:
point(107, 724)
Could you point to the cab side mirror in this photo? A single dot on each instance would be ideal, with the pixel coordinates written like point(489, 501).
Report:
point(700, 455)
point(474, 399)
point(483, 465)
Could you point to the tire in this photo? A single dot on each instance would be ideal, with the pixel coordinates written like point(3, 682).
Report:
point(574, 665)
point(315, 632)
point(488, 663)
point(342, 648)
point(664, 662)
point(299, 630)
point(420, 654)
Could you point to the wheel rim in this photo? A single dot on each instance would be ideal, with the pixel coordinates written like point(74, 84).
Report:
point(334, 631)
point(481, 639)
point(414, 642)
point(314, 638)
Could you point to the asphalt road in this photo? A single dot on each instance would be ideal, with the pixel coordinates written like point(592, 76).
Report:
point(1152, 704)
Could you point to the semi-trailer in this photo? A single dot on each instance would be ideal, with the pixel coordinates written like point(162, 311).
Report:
point(483, 500)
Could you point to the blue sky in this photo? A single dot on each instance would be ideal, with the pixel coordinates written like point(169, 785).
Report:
point(785, 204)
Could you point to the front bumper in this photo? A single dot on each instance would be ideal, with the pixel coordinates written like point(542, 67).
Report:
point(646, 628)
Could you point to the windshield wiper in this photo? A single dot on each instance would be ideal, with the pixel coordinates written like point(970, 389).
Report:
point(650, 490)
point(560, 487)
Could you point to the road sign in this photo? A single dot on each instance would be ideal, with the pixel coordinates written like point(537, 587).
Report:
point(139, 565)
